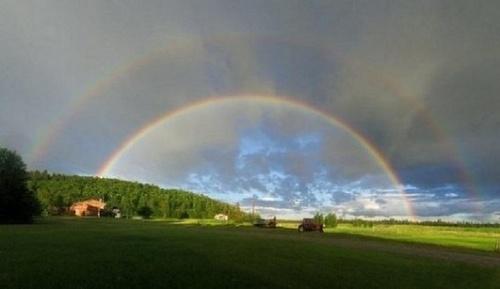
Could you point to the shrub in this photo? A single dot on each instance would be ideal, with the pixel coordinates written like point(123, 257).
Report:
point(145, 212)
point(184, 215)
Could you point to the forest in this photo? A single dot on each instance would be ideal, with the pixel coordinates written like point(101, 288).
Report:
point(56, 193)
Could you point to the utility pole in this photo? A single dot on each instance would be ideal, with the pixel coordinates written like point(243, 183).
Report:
point(253, 206)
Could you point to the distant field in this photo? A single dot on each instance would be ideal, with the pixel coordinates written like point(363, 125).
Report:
point(474, 238)
point(108, 253)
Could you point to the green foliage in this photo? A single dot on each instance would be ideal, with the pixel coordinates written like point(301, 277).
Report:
point(318, 218)
point(57, 192)
point(145, 212)
point(362, 223)
point(480, 238)
point(17, 203)
point(434, 223)
point(331, 220)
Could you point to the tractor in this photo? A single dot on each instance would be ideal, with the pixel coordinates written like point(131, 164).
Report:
point(309, 225)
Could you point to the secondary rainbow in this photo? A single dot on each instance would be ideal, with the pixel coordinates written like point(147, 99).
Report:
point(47, 136)
point(132, 139)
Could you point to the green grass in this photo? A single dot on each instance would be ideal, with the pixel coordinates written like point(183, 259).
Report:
point(475, 238)
point(467, 237)
point(107, 253)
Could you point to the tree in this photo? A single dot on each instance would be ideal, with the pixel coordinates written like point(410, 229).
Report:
point(17, 203)
point(331, 220)
point(318, 218)
point(59, 191)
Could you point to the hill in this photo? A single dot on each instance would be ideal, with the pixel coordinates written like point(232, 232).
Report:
point(56, 192)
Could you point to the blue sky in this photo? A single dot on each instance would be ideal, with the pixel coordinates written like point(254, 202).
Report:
point(418, 79)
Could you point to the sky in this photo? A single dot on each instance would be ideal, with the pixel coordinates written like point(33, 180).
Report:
point(371, 109)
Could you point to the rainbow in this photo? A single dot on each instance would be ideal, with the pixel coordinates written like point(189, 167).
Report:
point(132, 139)
point(47, 136)
point(56, 126)
point(424, 114)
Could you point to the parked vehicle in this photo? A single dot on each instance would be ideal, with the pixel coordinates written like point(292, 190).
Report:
point(309, 225)
point(266, 223)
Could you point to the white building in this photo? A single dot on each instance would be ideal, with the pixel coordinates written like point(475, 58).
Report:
point(221, 217)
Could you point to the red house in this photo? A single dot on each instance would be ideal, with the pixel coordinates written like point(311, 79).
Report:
point(90, 207)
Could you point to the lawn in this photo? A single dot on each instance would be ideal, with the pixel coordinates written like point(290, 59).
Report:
point(108, 253)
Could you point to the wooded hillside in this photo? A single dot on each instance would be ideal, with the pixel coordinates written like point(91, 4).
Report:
point(56, 193)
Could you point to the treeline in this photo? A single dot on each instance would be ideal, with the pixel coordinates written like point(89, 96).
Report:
point(330, 220)
point(369, 223)
point(56, 193)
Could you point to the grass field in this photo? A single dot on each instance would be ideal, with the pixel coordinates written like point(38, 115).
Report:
point(467, 237)
point(475, 238)
point(108, 253)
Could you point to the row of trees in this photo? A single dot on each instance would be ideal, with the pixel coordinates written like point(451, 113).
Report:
point(57, 192)
point(358, 222)
point(329, 220)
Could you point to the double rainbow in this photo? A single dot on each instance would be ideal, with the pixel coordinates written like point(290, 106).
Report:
point(46, 137)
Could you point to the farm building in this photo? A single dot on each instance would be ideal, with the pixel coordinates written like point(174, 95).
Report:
point(221, 217)
point(91, 207)
point(116, 213)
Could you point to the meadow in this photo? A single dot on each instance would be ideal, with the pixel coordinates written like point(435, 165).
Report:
point(109, 253)
point(476, 238)
point(480, 238)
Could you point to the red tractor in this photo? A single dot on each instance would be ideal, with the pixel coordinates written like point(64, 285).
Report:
point(309, 225)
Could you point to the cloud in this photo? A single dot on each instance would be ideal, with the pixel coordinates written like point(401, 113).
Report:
point(419, 80)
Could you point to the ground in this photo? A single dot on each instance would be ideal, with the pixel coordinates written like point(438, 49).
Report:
point(108, 253)
point(480, 238)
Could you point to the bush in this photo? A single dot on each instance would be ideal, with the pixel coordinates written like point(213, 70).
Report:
point(145, 212)
point(107, 213)
point(17, 203)
point(184, 215)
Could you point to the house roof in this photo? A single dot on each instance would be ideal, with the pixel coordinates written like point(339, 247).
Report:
point(90, 202)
